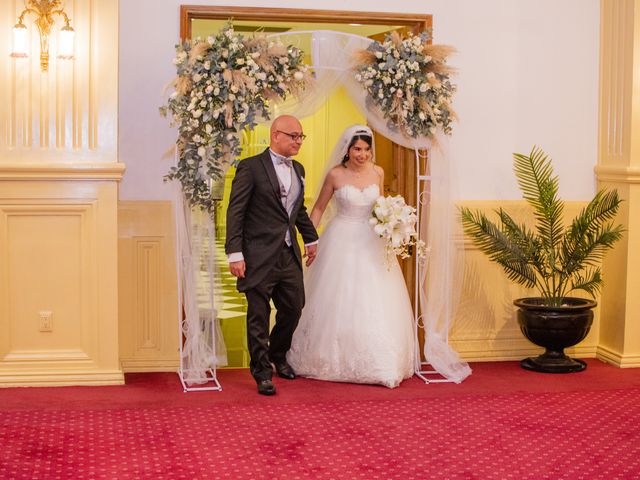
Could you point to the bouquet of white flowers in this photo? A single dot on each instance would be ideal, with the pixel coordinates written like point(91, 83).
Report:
point(395, 221)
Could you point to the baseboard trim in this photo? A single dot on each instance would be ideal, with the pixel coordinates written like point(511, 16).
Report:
point(619, 360)
point(141, 365)
point(514, 350)
point(61, 378)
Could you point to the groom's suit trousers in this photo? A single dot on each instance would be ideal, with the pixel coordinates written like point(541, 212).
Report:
point(284, 285)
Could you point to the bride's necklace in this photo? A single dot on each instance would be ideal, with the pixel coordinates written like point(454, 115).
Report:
point(357, 173)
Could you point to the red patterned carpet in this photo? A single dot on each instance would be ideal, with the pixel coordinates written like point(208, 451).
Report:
point(501, 423)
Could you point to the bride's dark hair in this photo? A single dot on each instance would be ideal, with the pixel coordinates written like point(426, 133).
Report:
point(358, 136)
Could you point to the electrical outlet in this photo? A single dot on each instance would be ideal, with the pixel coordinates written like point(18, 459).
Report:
point(46, 324)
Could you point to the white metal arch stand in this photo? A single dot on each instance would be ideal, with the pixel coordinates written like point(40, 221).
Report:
point(422, 369)
point(189, 252)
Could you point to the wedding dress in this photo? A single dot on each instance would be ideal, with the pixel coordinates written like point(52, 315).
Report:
point(357, 324)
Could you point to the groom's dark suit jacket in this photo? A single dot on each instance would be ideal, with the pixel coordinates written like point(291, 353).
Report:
point(257, 221)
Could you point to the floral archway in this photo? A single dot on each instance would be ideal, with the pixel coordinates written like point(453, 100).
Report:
point(229, 83)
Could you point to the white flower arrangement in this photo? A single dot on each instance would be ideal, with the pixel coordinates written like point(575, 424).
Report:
point(395, 221)
point(409, 81)
point(224, 85)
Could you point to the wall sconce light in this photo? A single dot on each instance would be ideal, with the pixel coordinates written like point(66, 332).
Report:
point(44, 10)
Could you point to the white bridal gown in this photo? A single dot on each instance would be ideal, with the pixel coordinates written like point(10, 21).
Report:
point(357, 324)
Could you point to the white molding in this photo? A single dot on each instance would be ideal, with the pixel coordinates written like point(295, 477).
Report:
point(62, 171)
point(62, 378)
point(510, 349)
point(619, 360)
point(617, 174)
point(66, 355)
point(130, 365)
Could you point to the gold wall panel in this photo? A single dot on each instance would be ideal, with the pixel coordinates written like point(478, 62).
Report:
point(58, 254)
point(46, 259)
point(148, 314)
point(148, 275)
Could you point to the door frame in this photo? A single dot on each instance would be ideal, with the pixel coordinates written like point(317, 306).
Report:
point(416, 22)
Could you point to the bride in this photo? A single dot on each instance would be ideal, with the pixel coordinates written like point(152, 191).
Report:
point(357, 324)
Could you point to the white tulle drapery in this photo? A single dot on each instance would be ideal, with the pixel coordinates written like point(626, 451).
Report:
point(440, 275)
point(202, 346)
point(332, 56)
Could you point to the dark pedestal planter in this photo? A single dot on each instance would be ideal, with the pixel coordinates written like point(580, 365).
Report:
point(554, 328)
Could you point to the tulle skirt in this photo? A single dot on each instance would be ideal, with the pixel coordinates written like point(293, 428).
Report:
point(357, 324)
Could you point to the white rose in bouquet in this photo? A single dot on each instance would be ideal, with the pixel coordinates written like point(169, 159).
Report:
point(395, 221)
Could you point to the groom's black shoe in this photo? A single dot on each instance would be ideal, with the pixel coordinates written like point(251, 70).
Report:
point(284, 370)
point(266, 387)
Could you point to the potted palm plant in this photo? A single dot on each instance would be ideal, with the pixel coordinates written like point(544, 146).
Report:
point(551, 258)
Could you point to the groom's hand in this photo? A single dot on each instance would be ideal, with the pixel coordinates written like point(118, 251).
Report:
point(310, 253)
point(237, 269)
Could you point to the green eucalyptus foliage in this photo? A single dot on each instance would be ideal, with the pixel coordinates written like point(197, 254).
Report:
point(225, 85)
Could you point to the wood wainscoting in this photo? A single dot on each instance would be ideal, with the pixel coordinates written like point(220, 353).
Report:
point(147, 309)
point(58, 275)
point(485, 328)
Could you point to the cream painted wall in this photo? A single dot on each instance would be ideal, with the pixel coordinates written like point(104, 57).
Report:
point(528, 75)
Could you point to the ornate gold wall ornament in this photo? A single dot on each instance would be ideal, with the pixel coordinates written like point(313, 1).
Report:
point(44, 10)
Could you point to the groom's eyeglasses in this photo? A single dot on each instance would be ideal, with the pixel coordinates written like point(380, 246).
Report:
point(296, 137)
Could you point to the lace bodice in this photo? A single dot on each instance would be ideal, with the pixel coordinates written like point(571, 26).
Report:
point(355, 204)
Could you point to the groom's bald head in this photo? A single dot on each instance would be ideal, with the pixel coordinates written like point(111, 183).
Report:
point(283, 129)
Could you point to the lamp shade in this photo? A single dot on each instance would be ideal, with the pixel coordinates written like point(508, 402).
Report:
point(65, 43)
point(20, 41)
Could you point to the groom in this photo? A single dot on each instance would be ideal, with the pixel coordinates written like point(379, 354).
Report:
point(266, 206)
